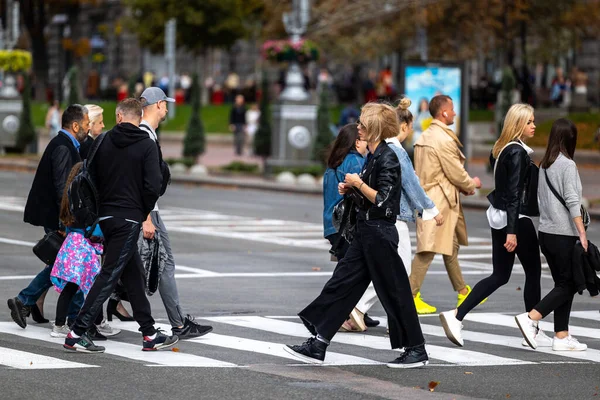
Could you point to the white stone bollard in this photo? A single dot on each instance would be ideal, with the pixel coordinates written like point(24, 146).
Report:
point(306, 180)
point(286, 178)
point(199, 170)
point(178, 168)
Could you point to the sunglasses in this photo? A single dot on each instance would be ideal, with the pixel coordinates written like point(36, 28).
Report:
point(360, 124)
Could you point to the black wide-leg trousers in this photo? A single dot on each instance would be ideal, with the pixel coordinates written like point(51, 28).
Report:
point(372, 256)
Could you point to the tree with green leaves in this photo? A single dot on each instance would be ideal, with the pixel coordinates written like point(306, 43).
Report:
point(26, 133)
point(194, 141)
point(324, 137)
point(262, 139)
point(200, 23)
point(73, 86)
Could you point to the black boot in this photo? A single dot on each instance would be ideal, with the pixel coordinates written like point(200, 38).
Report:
point(413, 357)
point(313, 350)
point(370, 322)
point(37, 315)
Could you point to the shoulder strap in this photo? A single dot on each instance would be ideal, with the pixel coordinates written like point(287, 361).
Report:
point(94, 148)
point(554, 191)
point(501, 150)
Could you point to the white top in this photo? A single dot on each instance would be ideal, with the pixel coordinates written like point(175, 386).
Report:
point(154, 137)
point(498, 218)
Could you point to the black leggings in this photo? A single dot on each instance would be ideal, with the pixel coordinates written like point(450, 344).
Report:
point(558, 250)
point(529, 254)
point(62, 306)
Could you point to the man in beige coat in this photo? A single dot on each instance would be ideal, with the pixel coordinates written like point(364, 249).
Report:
point(439, 164)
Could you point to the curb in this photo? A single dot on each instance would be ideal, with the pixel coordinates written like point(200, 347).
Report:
point(241, 183)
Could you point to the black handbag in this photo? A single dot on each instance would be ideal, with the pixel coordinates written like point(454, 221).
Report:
point(585, 216)
point(47, 247)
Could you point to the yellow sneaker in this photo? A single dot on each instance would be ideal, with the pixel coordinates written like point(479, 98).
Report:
point(462, 297)
point(422, 307)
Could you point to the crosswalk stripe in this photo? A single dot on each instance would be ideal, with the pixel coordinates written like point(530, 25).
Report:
point(256, 346)
point(509, 321)
point(447, 354)
point(25, 360)
point(125, 350)
point(513, 342)
point(593, 315)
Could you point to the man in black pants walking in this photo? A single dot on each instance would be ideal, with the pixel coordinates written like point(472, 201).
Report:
point(126, 172)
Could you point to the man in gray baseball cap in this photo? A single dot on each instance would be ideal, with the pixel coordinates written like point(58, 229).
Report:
point(154, 94)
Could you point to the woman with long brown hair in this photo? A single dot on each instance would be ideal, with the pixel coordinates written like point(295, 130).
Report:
point(561, 229)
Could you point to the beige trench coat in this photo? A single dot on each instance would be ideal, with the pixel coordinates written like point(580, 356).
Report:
point(439, 164)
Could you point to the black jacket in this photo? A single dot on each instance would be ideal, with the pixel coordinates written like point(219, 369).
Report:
point(515, 183)
point(126, 172)
point(85, 147)
point(382, 173)
point(43, 202)
point(585, 266)
point(237, 116)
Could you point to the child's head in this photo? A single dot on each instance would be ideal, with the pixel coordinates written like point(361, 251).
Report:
point(65, 213)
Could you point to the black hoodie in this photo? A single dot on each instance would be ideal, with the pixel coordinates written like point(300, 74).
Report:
point(126, 173)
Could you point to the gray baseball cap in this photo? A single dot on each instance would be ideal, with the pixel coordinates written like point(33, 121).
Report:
point(154, 95)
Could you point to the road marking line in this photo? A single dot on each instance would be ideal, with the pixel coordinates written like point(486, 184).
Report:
point(509, 321)
point(256, 346)
point(593, 315)
point(448, 354)
point(124, 350)
point(25, 360)
point(17, 242)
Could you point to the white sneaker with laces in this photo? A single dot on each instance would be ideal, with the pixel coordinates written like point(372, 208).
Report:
point(107, 330)
point(452, 327)
point(60, 331)
point(567, 344)
point(541, 339)
point(528, 329)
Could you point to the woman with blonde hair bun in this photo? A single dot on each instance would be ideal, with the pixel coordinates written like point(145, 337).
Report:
point(95, 113)
point(512, 205)
point(373, 252)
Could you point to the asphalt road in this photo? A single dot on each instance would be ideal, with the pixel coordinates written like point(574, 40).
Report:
point(244, 271)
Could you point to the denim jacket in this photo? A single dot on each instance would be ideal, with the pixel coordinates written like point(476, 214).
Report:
point(353, 163)
point(413, 196)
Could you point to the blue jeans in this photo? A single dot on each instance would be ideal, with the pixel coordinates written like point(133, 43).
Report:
point(40, 284)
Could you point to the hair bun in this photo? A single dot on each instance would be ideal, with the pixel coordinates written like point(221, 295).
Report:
point(404, 103)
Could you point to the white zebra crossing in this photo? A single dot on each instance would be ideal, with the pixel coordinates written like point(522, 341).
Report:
point(484, 352)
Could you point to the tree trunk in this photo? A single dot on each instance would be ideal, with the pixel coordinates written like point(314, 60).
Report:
point(34, 17)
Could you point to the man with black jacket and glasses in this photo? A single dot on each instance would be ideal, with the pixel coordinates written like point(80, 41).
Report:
point(43, 206)
point(127, 175)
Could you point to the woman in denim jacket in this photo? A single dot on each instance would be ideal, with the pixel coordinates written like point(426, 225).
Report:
point(345, 157)
point(413, 198)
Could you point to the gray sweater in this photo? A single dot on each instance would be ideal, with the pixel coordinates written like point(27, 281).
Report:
point(554, 217)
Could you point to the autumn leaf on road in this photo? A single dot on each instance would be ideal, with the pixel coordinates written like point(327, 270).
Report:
point(432, 385)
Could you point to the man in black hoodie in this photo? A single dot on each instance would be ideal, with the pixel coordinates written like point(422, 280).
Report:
point(126, 172)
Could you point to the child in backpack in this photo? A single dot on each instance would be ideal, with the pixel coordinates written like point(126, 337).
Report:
point(77, 262)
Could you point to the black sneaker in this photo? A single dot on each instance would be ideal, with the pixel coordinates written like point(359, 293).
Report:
point(191, 329)
point(95, 335)
point(161, 341)
point(18, 311)
point(312, 351)
point(82, 344)
point(413, 357)
point(370, 322)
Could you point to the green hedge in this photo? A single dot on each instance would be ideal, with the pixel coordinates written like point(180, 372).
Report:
point(587, 125)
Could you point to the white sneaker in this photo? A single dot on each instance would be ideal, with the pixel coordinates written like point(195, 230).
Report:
point(528, 329)
point(567, 344)
point(106, 329)
point(541, 339)
point(452, 327)
point(60, 331)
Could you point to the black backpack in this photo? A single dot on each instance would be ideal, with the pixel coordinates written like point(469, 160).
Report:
point(82, 194)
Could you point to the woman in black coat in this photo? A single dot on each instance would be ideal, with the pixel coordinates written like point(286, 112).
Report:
point(512, 204)
point(373, 253)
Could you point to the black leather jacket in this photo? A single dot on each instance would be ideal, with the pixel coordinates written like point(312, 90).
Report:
point(515, 183)
point(382, 173)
